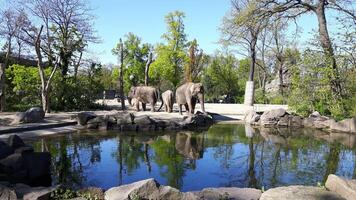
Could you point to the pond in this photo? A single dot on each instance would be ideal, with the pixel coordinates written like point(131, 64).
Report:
point(222, 156)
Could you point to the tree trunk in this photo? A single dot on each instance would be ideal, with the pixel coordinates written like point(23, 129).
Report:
point(2, 87)
point(121, 76)
point(147, 68)
point(45, 101)
point(250, 90)
point(328, 49)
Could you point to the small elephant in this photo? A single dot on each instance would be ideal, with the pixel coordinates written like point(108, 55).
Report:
point(168, 101)
point(188, 94)
point(144, 94)
point(135, 103)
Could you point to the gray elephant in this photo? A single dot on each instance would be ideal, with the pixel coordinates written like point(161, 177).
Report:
point(188, 94)
point(168, 101)
point(144, 94)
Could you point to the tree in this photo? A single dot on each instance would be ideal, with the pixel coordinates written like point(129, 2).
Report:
point(171, 56)
point(242, 26)
point(294, 9)
point(10, 25)
point(119, 50)
point(194, 66)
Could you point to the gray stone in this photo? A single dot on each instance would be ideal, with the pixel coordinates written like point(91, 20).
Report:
point(167, 192)
point(296, 121)
point(251, 117)
point(147, 189)
point(7, 194)
point(315, 114)
point(12, 163)
point(197, 120)
point(84, 117)
point(271, 117)
point(15, 141)
point(343, 187)
point(37, 164)
point(231, 193)
point(143, 120)
point(346, 125)
point(24, 149)
point(299, 193)
point(5, 151)
point(124, 118)
point(39, 193)
point(32, 115)
point(283, 121)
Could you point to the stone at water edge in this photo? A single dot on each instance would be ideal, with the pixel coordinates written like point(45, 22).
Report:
point(315, 114)
point(346, 125)
point(32, 115)
point(298, 192)
point(7, 194)
point(343, 187)
point(148, 188)
point(271, 117)
point(5, 151)
point(251, 117)
point(84, 117)
point(15, 141)
point(229, 193)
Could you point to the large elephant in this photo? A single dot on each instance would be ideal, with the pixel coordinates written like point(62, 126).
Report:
point(144, 94)
point(168, 101)
point(188, 94)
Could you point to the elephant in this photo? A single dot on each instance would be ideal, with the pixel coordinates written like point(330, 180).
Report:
point(188, 94)
point(168, 101)
point(144, 94)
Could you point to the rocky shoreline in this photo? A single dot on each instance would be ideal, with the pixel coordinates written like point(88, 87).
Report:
point(277, 118)
point(336, 188)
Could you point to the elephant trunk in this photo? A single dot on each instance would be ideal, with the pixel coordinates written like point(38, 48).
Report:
point(201, 100)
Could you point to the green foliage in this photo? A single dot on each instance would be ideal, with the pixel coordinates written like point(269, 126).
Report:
point(171, 56)
point(65, 193)
point(222, 77)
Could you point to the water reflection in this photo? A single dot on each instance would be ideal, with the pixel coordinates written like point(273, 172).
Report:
point(225, 155)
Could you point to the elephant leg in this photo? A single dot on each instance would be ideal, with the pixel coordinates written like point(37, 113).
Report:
point(137, 105)
point(186, 107)
point(180, 108)
point(143, 106)
point(153, 104)
point(190, 107)
point(194, 102)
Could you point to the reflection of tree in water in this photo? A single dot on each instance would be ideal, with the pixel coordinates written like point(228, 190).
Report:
point(332, 160)
point(69, 158)
point(172, 164)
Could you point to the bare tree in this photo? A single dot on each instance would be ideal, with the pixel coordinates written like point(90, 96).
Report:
point(296, 8)
point(242, 27)
point(147, 67)
point(194, 67)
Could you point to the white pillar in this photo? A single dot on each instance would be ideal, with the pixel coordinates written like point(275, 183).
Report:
point(249, 93)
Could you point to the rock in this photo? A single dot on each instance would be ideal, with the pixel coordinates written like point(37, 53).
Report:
point(124, 118)
point(251, 117)
point(232, 193)
point(299, 193)
point(5, 151)
point(7, 194)
point(197, 120)
point(167, 192)
point(32, 115)
point(346, 125)
point(283, 121)
point(147, 189)
point(345, 188)
point(84, 117)
point(12, 163)
point(24, 149)
point(15, 141)
point(315, 114)
point(296, 121)
point(143, 120)
point(96, 193)
point(271, 117)
point(37, 164)
point(39, 193)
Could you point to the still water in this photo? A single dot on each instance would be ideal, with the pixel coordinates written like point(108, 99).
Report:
point(224, 155)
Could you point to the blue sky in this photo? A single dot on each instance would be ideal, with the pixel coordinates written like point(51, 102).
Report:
point(115, 18)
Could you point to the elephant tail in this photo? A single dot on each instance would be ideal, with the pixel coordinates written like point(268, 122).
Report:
point(159, 96)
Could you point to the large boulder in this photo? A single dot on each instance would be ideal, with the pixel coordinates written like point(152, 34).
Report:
point(271, 117)
point(146, 189)
point(145, 123)
point(101, 122)
point(232, 193)
point(298, 192)
point(37, 164)
point(12, 164)
point(346, 125)
point(84, 117)
point(251, 117)
point(197, 120)
point(39, 193)
point(32, 115)
point(15, 142)
point(5, 150)
point(343, 187)
point(7, 194)
point(124, 118)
